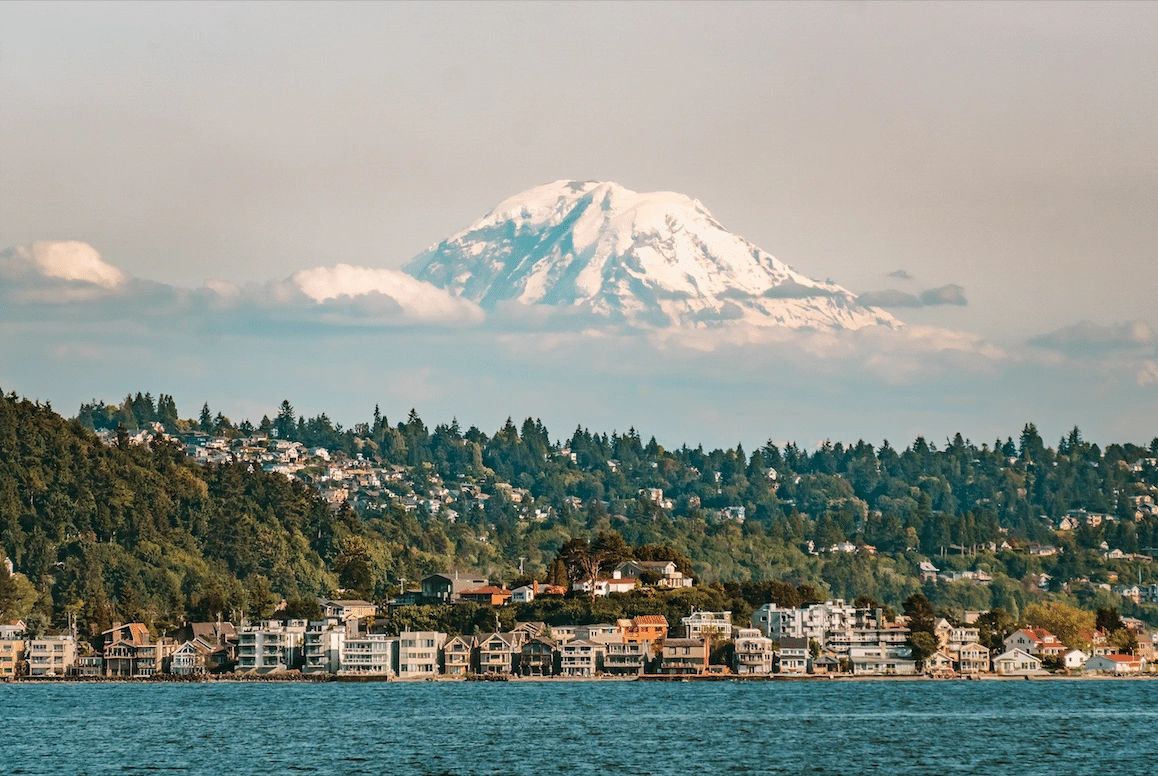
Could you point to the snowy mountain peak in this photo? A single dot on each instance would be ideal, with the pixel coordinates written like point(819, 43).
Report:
point(656, 259)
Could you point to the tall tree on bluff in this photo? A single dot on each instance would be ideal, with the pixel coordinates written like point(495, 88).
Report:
point(587, 561)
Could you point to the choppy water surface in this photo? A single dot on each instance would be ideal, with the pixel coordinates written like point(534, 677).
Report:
point(1022, 728)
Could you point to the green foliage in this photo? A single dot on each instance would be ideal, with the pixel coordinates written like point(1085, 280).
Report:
point(138, 533)
point(1073, 626)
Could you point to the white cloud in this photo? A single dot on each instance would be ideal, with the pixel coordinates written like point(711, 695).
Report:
point(415, 299)
point(64, 260)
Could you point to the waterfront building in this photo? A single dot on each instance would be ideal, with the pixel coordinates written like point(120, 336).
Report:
point(368, 654)
point(538, 657)
point(580, 657)
point(497, 653)
point(754, 652)
point(684, 656)
point(972, 659)
point(793, 656)
point(51, 656)
point(271, 646)
point(11, 657)
point(420, 654)
point(1016, 662)
point(626, 658)
point(323, 644)
point(458, 656)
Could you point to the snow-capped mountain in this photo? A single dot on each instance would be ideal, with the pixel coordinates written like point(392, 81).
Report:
point(655, 259)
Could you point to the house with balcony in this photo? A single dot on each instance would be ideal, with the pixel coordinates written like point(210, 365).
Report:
point(793, 656)
point(90, 665)
point(754, 652)
point(458, 655)
point(323, 644)
point(687, 656)
point(420, 654)
point(580, 657)
point(972, 659)
point(497, 653)
point(815, 621)
point(539, 657)
point(191, 658)
point(627, 658)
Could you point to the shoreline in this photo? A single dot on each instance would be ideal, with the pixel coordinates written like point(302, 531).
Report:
point(649, 678)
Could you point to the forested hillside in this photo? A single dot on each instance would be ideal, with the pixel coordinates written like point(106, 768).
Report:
point(139, 532)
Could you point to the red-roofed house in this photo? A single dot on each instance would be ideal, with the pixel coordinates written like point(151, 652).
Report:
point(1036, 641)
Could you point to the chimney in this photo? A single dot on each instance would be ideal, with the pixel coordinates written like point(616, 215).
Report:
point(535, 587)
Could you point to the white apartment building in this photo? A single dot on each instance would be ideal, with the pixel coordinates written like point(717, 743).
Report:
point(810, 622)
point(271, 646)
point(322, 647)
point(369, 654)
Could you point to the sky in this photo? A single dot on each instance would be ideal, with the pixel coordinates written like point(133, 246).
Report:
point(1006, 152)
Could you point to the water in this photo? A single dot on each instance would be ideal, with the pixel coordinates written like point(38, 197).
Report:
point(1022, 728)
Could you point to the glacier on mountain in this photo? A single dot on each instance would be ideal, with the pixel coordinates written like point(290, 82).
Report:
point(654, 260)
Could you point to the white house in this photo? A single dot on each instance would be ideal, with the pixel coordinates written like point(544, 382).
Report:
point(1016, 662)
point(1114, 664)
point(1075, 659)
point(754, 652)
point(700, 625)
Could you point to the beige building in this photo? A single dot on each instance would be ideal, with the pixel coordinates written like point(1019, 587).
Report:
point(419, 654)
point(51, 656)
point(11, 657)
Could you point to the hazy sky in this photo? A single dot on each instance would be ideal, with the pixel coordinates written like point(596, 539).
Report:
point(1011, 149)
